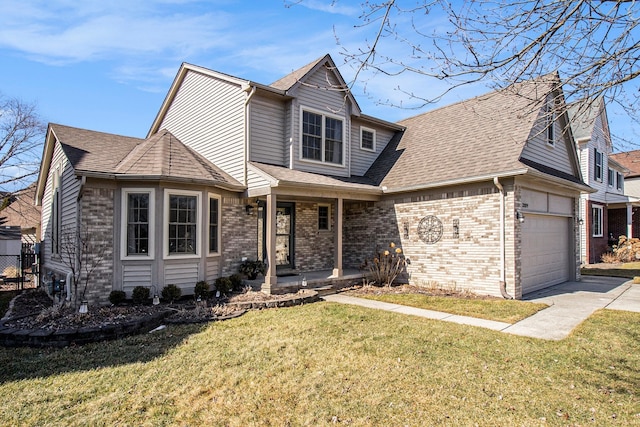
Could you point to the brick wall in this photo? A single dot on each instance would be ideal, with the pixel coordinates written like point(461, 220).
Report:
point(239, 234)
point(97, 229)
point(314, 248)
point(468, 260)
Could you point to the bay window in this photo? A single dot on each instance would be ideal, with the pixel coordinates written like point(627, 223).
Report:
point(137, 223)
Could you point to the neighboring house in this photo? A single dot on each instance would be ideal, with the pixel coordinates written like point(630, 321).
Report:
point(23, 213)
point(630, 162)
point(606, 213)
point(481, 195)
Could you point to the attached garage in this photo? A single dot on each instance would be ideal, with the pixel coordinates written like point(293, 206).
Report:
point(546, 251)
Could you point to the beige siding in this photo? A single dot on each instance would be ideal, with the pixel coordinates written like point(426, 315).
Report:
point(136, 275)
point(556, 155)
point(183, 275)
point(207, 115)
point(68, 213)
point(361, 159)
point(213, 270)
point(315, 95)
point(267, 138)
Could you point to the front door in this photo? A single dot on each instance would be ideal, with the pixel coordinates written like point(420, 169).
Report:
point(285, 226)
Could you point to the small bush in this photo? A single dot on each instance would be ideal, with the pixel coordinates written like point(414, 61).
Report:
point(201, 290)
point(627, 250)
point(224, 285)
point(140, 295)
point(117, 297)
point(171, 293)
point(236, 282)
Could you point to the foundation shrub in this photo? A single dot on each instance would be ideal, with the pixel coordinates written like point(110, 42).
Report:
point(140, 295)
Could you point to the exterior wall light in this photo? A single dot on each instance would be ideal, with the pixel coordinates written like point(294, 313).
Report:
point(520, 216)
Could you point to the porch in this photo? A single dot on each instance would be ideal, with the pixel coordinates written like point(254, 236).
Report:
point(322, 281)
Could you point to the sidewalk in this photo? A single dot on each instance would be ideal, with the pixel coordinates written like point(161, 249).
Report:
point(569, 303)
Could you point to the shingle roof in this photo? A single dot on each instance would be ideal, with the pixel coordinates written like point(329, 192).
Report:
point(629, 160)
point(295, 177)
point(22, 210)
point(161, 156)
point(93, 151)
point(582, 115)
point(476, 138)
point(292, 78)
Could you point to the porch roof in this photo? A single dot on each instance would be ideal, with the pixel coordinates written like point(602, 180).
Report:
point(282, 177)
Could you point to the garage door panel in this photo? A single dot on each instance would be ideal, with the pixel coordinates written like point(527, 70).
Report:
point(545, 251)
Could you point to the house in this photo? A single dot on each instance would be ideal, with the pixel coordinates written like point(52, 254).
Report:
point(21, 212)
point(481, 195)
point(630, 164)
point(606, 214)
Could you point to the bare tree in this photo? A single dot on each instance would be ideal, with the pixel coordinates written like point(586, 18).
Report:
point(594, 45)
point(82, 256)
point(21, 137)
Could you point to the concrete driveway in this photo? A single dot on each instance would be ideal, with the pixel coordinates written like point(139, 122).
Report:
point(570, 303)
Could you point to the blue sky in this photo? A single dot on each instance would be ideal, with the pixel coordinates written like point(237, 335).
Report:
point(107, 65)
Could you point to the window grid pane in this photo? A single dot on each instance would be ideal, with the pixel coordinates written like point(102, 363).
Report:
point(333, 140)
point(138, 224)
point(367, 140)
point(213, 225)
point(311, 136)
point(182, 224)
point(323, 217)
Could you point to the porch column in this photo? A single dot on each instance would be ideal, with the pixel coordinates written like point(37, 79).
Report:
point(337, 236)
point(629, 220)
point(270, 278)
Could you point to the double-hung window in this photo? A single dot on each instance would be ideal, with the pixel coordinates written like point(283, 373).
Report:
point(619, 180)
point(182, 219)
point(324, 217)
point(367, 139)
point(611, 177)
point(214, 224)
point(597, 170)
point(137, 223)
point(322, 138)
point(596, 221)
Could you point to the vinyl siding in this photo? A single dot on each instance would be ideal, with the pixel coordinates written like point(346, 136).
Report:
point(361, 159)
point(556, 155)
point(207, 114)
point(267, 121)
point(183, 275)
point(136, 275)
point(68, 212)
point(314, 95)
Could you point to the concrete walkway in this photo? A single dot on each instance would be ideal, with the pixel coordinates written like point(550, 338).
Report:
point(569, 303)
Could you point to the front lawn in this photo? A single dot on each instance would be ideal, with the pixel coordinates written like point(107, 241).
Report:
point(627, 269)
point(509, 311)
point(328, 364)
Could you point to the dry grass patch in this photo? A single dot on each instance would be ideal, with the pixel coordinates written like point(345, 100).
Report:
point(451, 301)
point(328, 364)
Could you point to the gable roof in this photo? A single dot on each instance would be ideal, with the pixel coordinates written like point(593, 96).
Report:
point(472, 140)
point(583, 115)
point(22, 210)
point(629, 160)
point(109, 156)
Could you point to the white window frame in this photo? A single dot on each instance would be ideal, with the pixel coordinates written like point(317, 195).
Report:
point(165, 226)
point(328, 206)
point(611, 177)
point(324, 115)
point(619, 181)
point(372, 131)
point(597, 221)
point(599, 166)
point(124, 221)
point(208, 223)
point(550, 120)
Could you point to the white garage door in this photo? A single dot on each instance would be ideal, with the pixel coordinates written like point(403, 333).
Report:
point(546, 253)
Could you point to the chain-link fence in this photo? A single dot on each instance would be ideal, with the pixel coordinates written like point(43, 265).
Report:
point(19, 271)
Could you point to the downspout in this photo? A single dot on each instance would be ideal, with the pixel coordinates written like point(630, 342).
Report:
point(291, 138)
point(251, 90)
point(503, 285)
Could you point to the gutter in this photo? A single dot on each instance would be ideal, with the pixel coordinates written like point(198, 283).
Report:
point(118, 177)
point(457, 181)
point(503, 285)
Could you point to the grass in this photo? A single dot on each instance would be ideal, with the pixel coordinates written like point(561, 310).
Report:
point(628, 270)
point(327, 364)
point(499, 309)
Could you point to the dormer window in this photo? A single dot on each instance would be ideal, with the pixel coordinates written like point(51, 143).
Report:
point(322, 138)
point(367, 139)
